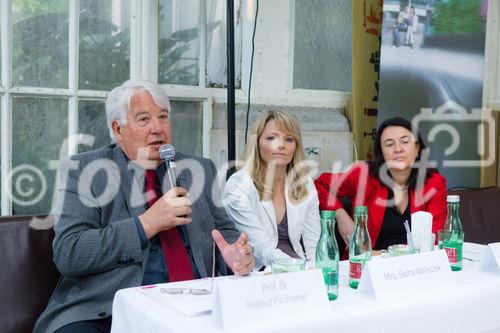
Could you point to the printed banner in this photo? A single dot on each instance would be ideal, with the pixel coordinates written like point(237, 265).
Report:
point(431, 73)
point(366, 26)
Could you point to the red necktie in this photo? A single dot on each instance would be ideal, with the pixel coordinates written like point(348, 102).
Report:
point(174, 251)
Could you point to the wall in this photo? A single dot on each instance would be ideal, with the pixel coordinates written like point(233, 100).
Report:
point(321, 113)
point(325, 133)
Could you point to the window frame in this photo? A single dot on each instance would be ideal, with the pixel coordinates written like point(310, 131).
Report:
point(7, 92)
point(144, 64)
point(143, 36)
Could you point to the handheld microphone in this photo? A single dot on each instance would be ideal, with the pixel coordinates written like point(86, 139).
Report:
point(167, 153)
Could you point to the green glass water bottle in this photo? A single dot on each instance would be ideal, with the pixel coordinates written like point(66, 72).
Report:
point(360, 246)
point(327, 254)
point(453, 234)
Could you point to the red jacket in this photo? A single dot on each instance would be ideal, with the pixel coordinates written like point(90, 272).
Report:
point(364, 189)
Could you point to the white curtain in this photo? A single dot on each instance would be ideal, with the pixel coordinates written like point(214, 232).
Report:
point(216, 42)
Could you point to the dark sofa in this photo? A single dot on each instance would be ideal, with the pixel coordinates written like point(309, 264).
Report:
point(480, 214)
point(27, 273)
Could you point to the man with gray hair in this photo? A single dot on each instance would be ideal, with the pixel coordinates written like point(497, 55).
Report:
point(117, 229)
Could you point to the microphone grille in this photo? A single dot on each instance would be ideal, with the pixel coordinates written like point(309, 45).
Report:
point(167, 151)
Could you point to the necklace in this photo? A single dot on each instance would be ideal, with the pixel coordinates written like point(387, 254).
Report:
point(400, 188)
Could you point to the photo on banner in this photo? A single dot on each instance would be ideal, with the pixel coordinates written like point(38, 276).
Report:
point(432, 63)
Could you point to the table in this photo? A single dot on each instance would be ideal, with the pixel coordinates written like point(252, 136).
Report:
point(473, 307)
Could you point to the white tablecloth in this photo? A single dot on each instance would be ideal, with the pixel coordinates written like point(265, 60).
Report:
point(473, 307)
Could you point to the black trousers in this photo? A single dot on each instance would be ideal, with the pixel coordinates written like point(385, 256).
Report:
point(88, 326)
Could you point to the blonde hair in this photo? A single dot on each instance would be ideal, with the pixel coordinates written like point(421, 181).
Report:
point(296, 171)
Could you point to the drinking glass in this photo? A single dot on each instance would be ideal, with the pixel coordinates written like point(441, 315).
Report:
point(284, 265)
point(397, 250)
point(423, 242)
point(440, 235)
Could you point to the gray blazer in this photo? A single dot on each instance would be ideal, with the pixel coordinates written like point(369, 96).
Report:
point(97, 247)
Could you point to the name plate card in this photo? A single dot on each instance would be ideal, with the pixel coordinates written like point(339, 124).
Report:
point(265, 300)
point(490, 259)
point(396, 277)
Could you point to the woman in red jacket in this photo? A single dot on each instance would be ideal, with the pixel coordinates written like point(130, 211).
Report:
point(395, 185)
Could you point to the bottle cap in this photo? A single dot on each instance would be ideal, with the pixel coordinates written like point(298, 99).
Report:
point(327, 214)
point(453, 198)
point(360, 210)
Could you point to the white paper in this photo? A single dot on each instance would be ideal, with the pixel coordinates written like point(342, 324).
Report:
point(271, 299)
point(187, 304)
point(396, 277)
point(473, 251)
point(421, 231)
point(421, 222)
point(490, 259)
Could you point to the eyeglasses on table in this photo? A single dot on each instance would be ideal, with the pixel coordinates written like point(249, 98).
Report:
point(194, 291)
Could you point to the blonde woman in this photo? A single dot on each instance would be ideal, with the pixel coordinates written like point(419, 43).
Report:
point(272, 199)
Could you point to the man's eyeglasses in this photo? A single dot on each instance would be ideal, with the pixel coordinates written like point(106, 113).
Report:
point(194, 291)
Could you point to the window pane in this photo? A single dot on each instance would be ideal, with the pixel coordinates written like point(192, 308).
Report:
point(92, 121)
point(39, 127)
point(187, 127)
point(216, 44)
point(322, 45)
point(40, 43)
point(104, 44)
point(178, 42)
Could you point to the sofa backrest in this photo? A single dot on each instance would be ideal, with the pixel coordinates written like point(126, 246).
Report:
point(27, 273)
point(480, 214)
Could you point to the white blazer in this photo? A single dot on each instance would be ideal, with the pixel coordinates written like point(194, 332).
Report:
point(257, 219)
